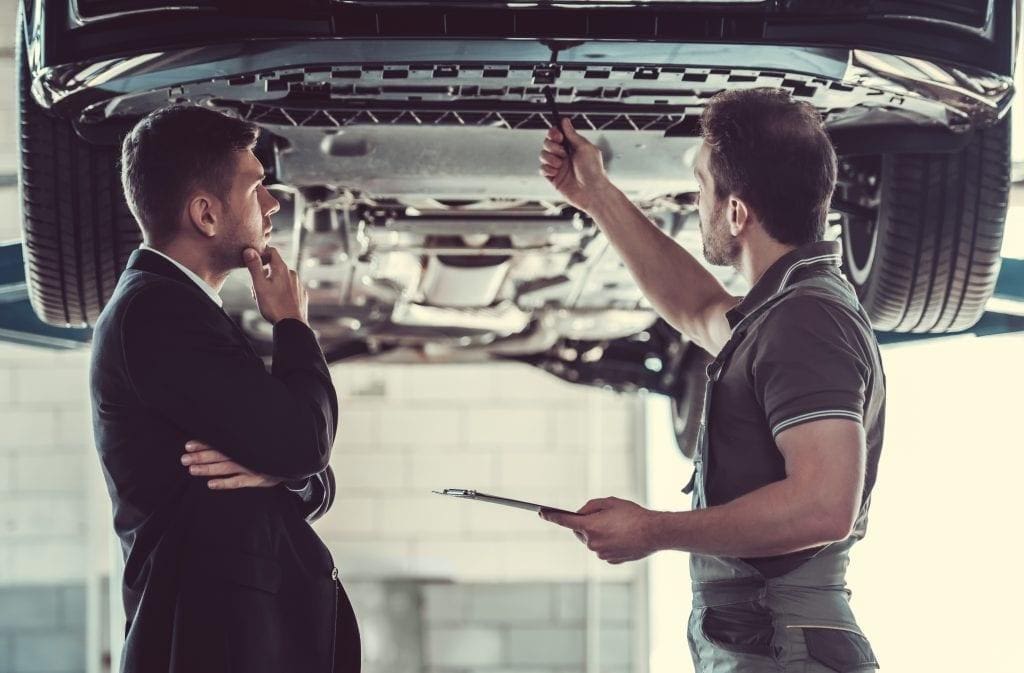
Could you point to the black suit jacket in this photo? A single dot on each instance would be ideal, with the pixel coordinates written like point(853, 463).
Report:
point(216, 581)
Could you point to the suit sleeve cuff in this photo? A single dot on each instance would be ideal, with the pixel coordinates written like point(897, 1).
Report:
point(302, 488)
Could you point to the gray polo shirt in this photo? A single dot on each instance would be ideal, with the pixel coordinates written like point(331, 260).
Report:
point(810, 357)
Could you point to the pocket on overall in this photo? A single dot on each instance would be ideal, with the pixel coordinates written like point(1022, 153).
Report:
point(740, 627)
point(839, 649)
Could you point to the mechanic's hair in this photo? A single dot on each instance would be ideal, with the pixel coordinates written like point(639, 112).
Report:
point(772, 151)
point(171, 152)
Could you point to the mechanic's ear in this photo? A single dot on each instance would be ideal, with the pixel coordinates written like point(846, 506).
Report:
point(203, 215)
point(738, 215)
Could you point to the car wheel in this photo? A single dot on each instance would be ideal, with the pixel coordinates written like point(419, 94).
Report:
point(921, 242)
point(77, 231)
point(688, 398)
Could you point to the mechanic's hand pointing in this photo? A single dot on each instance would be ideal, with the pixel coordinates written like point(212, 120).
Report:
point(279, 294)
point(579, 176)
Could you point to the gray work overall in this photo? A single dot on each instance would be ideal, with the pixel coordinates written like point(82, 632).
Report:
point(743, 621)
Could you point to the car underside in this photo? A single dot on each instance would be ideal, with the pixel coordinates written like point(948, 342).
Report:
point(402, 142)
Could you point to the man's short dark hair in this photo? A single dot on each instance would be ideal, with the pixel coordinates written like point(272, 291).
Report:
point(772, 151)
point(172, 151)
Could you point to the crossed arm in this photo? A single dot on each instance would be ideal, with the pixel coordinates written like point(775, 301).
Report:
point(257, 428)
point(222, 473)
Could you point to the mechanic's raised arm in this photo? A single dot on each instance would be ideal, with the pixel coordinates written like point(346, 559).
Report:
point(281, 423)
point(681, 290)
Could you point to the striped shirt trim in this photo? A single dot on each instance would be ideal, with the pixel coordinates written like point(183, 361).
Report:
point(815, 415)
point(832, 257)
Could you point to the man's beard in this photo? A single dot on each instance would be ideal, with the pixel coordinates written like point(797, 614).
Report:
point(720, 248)
point(228, 251)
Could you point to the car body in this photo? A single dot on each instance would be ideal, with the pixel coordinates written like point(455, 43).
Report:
point(402, 140)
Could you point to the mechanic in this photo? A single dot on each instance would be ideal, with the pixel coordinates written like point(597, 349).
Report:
point(793, 414)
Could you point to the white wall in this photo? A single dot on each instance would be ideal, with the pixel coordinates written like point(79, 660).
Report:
point(505, 429)
point(47, 466)
point(405, 430)
point(933, 581)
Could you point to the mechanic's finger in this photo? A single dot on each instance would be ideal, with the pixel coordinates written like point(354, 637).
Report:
point(554, 135)
point(595, 505)
point(196, 445)
point(549, 159)
point(203, 457)
point(563, 519)
point(555, 148)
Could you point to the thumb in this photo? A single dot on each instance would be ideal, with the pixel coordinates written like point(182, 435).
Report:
point(255, 265)
point(593, 506)
point(570, 133)
point(563, 519)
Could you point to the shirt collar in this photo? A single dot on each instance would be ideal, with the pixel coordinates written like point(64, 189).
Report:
point(779, 275)
point(210, 292)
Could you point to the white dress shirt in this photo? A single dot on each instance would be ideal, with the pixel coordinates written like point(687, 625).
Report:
point(210, 292)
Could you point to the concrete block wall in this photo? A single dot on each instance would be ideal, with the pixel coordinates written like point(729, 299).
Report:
point(48, 467)
point(539, 627)
point(507, 429)
point(49, 521)
point(42, 629)
point(405, 430)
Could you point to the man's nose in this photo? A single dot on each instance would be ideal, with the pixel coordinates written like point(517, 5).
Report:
point(272, 206)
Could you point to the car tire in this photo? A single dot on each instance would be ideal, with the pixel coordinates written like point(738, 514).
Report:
point(688, 398)
point(925, 257)
point(77, 230)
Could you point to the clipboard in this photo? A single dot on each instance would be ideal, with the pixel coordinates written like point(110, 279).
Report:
point(497, 500)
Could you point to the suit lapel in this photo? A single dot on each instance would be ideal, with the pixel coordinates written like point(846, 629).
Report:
point(143, 260)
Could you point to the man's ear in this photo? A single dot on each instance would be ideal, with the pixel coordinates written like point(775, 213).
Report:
point(204, 214)
point(738, 215)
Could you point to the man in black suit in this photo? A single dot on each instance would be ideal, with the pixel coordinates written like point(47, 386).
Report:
point(215, 466)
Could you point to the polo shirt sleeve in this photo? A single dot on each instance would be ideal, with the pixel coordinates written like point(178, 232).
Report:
point(809, 364)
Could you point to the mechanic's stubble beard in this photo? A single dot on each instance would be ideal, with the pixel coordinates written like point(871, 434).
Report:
point(720, 247)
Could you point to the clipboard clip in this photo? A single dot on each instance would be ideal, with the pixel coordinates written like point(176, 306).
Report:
point(457, 492)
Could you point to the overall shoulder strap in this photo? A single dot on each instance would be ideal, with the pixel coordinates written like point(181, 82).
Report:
point(816, 284)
